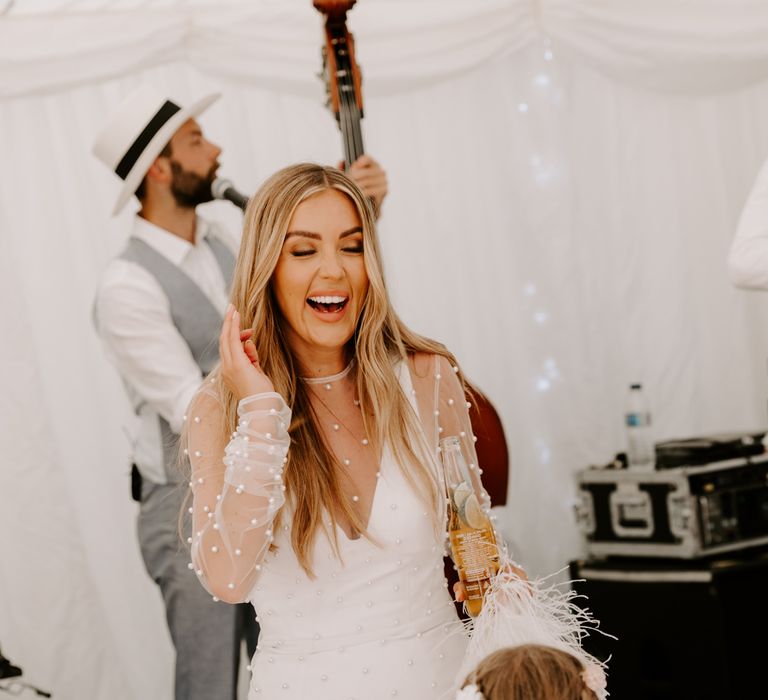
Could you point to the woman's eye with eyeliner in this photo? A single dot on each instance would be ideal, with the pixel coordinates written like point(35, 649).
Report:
point(301, 253)
point(353, 249)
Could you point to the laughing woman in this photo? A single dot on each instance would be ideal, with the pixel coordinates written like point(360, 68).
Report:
point(314, 456)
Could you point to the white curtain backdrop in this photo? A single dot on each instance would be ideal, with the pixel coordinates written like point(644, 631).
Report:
point(566, 177)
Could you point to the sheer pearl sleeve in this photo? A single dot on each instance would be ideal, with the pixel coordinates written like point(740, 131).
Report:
point(237, 489)
point(444, 412)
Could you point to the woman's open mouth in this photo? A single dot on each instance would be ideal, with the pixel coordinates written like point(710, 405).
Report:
point(328, 304)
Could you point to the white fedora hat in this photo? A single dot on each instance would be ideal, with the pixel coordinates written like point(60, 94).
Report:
point(137, 133)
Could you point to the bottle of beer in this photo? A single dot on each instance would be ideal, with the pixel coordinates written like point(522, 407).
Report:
point(473, 544)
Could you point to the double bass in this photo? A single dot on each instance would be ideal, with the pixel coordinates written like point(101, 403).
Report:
point(342, 76)
point(345, 99)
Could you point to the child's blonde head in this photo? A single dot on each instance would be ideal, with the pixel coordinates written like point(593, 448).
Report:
point(530, 672)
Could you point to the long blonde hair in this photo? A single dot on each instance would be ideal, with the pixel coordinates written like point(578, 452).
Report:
point(312, 474)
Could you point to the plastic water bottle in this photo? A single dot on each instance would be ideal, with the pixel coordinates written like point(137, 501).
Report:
point(640, 447)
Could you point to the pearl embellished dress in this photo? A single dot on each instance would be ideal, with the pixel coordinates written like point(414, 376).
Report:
point(378, 622)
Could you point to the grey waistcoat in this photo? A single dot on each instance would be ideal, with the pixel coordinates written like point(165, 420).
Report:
point(194, 316)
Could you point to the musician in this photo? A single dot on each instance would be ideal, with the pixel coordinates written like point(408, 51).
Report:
point(748, 257)
point(158, 310)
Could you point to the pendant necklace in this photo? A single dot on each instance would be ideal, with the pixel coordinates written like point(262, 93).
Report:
point(327, 386)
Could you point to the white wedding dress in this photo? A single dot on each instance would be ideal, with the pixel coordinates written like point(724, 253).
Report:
point(376, 620)
point(376, 623)
point(379, 624)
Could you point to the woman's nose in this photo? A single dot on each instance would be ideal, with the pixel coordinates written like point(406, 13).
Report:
point(331, 266)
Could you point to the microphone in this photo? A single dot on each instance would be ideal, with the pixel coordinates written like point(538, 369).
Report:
point(221, 188)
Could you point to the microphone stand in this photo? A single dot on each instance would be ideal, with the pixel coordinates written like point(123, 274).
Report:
point(15, 687)
point(9, 671)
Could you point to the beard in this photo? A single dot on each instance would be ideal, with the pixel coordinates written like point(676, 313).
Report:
point(190, 189)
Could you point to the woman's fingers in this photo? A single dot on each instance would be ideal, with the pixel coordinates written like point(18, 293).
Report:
point(249, 346)
point(517, 570)
point(240, 368)
point(459, 592)
point(234, 335)
point(224, 354)
point(250, 350)
point(230, 345)
point(235, 344)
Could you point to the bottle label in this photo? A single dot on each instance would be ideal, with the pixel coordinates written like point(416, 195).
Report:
point(476, 557)
point(638, 420)
point(476, 589)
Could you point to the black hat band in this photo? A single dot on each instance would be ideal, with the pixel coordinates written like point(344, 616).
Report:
point(142, 140)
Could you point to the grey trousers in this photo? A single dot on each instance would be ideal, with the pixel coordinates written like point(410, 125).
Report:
point(207, 635)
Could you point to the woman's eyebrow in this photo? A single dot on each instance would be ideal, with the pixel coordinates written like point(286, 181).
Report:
point(317, 236)
point(303, 234)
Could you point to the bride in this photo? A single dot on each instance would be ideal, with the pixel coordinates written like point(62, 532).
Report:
point(314, 458)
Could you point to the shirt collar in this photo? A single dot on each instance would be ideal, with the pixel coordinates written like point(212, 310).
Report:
point(168, 244)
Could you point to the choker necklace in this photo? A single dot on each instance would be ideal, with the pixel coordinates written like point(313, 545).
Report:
point(332, 378)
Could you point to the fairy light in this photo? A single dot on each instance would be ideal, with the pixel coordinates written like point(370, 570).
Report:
point(550, 368)
point(543, 94)
point(543, 451)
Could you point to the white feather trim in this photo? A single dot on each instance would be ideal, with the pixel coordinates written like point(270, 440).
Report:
point(531, 612)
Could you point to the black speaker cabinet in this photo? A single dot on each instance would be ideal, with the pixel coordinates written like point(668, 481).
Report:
point(687, 630)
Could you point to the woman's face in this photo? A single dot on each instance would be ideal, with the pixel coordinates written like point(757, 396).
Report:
point(320, 280)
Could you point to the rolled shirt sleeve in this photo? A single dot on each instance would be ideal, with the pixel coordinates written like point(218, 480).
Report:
point(134, 322)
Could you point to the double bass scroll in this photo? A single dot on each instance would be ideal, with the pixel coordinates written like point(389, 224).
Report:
point(342, 76)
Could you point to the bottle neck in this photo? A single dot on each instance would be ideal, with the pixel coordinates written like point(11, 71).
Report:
point(454, 467)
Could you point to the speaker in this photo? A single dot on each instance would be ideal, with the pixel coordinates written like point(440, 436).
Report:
point(685, 630)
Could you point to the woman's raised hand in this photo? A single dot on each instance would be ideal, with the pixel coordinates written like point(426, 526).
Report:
point(240, 368)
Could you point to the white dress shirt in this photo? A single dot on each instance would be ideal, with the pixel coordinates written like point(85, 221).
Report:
point(748, 258)
point(141, 340)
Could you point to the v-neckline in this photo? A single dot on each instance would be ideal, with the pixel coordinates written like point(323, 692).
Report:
point(374, 500)
point(385, 456)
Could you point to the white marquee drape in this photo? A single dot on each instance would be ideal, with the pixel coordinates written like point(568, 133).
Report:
point(675, 45)
point(566, 176)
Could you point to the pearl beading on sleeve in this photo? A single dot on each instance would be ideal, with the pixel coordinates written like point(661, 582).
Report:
point(257, 451)
point(452, 412)
point(237, 495)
